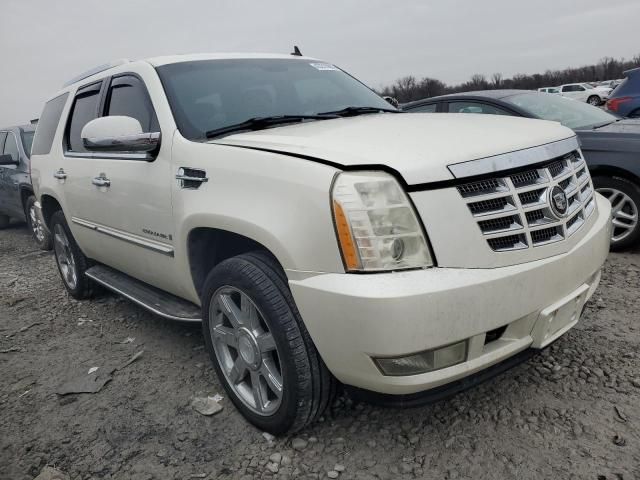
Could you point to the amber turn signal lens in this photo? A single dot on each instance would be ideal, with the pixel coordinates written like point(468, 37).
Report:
point(347, 245)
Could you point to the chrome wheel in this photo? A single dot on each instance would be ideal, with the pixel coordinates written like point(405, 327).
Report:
point(64, 257)
point(36, 225)
point(624, 212)
point(245, 350)
point(593, 101)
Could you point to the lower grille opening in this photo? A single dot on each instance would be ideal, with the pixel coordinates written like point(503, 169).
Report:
point(495, 334)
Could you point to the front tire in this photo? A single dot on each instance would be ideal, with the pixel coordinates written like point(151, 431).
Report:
point(71, 262)
point(594, 100)
point(40, 234)
point(259, 346)
point(4, 221)
point(625, 203)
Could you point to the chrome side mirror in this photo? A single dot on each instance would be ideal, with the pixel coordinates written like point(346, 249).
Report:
point(118, 134)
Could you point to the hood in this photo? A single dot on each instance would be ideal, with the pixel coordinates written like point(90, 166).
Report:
point(620, 136)
point(417, 145)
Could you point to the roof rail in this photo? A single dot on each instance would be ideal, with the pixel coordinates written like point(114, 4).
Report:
point(98, 69)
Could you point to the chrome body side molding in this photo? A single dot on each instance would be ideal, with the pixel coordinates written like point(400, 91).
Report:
point(159, 247)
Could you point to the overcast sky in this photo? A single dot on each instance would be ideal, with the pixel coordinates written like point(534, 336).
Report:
point(47, 42)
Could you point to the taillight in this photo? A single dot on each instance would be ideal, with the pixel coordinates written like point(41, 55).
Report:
point(613, 104)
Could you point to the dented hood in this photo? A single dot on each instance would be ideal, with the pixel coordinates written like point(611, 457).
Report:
point(419, 146)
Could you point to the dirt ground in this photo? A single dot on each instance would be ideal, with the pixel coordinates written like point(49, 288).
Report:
point(571, 412)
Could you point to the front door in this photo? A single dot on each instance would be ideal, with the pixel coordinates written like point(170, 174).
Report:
point(120, 202)
point(10, 200)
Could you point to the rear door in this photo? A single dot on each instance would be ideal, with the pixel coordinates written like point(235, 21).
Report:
point(128, 223)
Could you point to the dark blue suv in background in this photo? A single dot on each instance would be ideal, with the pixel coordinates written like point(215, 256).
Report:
point(16, 193)
point(625, 99)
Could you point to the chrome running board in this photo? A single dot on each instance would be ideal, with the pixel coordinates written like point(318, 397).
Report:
point(150, 298)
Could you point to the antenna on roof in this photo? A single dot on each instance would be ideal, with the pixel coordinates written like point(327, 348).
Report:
point(296, 51)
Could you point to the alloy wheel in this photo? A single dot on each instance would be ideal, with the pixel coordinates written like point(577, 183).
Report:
point(64, 257)
point(246, 350)
point(36, 225)
point(624, 212)
point(594, 101)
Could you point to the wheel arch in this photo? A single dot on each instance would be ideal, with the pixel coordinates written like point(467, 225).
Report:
point(613, 171)
point(209, 246)
point(25, 192)
point(49, 205)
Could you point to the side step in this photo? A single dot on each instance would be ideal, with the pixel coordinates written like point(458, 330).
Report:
point(153, 299)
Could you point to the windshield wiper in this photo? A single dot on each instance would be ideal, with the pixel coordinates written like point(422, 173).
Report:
point(258, 123)
point(352, 111)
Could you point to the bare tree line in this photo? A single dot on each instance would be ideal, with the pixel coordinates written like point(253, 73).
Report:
point(410, 88)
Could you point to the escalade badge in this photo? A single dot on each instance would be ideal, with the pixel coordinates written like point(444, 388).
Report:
point(558, 201)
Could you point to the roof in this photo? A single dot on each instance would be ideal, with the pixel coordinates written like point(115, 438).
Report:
point(158, 61)
point(496, 94)
point(626, 73)
point(165, 60)
point(25, 128)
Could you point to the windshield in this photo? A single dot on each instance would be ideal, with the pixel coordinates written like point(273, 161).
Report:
point(27, 141)
point(570, 113)
point(208, 95)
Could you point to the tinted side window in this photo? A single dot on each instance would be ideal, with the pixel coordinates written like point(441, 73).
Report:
point(48, 124)
point(128, 96)
point(27, 141)
point(11, 147)
point(474, 107)
point(431, 108)
point(85, 109)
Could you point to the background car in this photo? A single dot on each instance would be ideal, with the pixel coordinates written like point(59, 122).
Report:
point(611, 145)
point(612, 84)
point(625, 100)
point(584, 92)
point(549, 90)
point(16, 194)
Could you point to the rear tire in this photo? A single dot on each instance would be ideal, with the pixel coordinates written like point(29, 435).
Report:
point(625, 201)
point(233, 291)
point(71, 262)
point(41, 235)
point(4, 221)
point(594, 100)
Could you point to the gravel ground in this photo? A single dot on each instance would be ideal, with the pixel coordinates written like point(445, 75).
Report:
point(571, 412)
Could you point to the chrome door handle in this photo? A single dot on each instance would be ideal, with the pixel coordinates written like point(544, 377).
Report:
point(101, 181)
point(192, 179)
point(60, 175)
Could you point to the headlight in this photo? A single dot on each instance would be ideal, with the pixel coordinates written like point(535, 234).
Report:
point(376, 225)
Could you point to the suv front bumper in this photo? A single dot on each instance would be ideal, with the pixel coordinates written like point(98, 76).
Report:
point(355, 318)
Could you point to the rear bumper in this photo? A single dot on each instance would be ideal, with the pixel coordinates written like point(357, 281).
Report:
point(355, 318)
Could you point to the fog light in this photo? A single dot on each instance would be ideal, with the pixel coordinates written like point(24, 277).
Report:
point(424, 361)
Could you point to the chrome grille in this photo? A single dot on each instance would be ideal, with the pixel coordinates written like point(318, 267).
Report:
point(514, 211)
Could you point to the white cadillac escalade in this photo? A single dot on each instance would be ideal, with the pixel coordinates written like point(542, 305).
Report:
point(321, 236)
